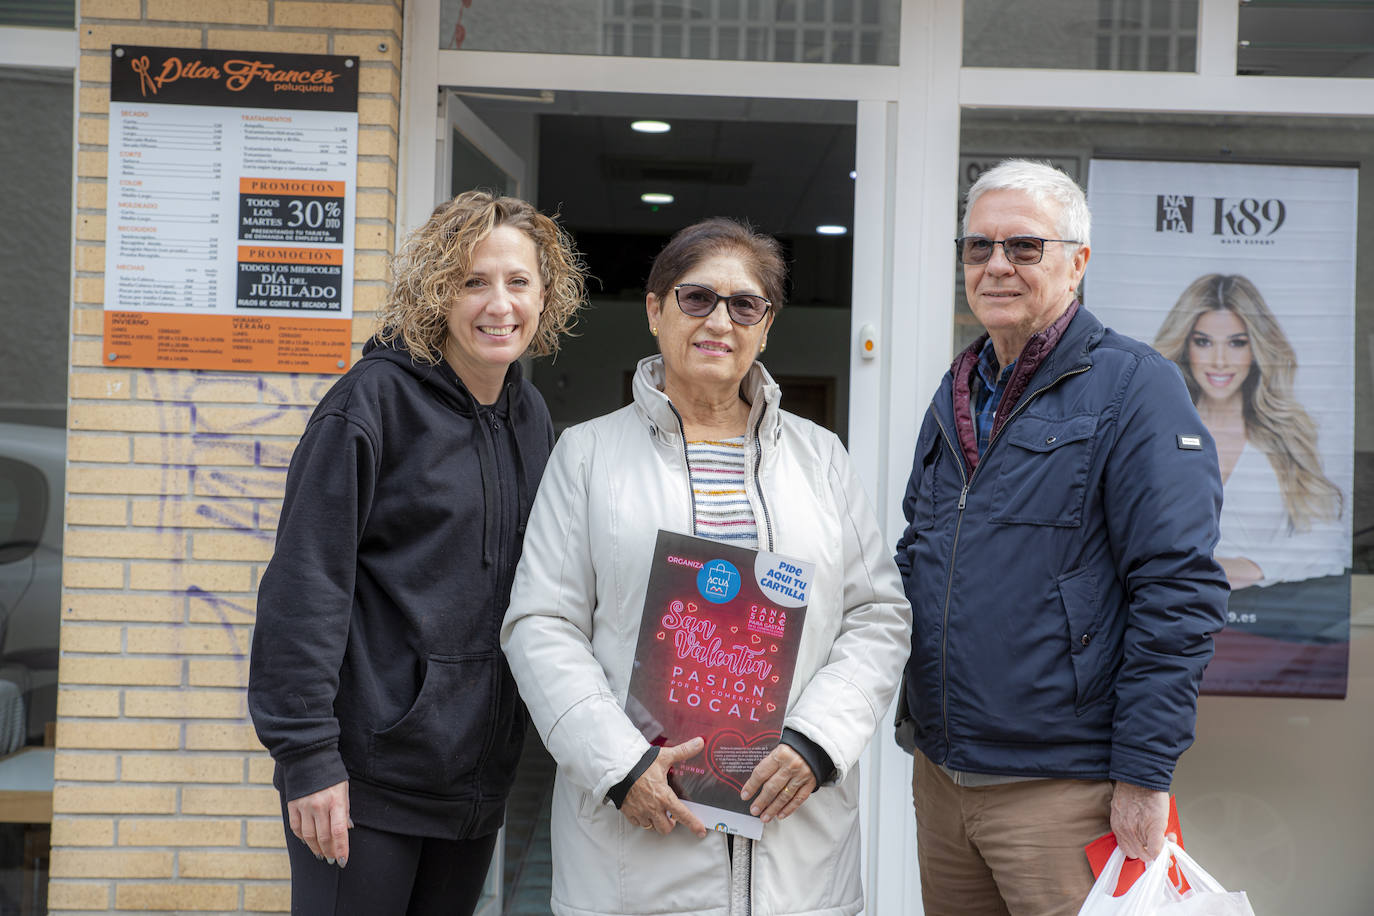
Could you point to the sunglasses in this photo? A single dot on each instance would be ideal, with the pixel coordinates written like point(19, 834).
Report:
point(1021, 250)
point(699, 301)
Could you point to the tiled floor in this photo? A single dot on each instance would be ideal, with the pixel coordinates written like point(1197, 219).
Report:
point(529, 861)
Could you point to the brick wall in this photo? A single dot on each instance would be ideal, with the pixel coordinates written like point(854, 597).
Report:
point(163, 797)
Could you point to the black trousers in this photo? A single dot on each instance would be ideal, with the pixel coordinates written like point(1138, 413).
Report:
point(390, 874)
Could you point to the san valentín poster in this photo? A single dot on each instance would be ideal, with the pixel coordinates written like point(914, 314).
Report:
point(717, 648)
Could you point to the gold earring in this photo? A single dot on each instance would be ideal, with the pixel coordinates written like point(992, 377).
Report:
point(653, 331)
point(763, 346)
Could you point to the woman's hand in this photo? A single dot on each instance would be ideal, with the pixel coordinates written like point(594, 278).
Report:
point(783, 780)
point(320, 820)
point(1240, 572)
point(651, 802)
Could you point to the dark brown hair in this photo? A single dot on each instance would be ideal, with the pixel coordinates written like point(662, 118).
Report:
point(720, 235)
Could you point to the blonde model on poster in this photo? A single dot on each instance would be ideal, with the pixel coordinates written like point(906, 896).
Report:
point(1279, 520)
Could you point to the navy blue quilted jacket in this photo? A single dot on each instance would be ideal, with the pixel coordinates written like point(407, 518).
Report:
point(1064, 593)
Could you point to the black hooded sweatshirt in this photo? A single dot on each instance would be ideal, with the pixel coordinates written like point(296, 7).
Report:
point(376, 656)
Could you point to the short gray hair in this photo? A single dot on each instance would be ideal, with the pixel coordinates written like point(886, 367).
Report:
point(1044, 183)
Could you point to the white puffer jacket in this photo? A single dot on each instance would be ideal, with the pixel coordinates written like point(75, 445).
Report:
point(573, 624)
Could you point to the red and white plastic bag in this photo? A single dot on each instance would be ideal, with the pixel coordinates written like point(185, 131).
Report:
point(1154, 893)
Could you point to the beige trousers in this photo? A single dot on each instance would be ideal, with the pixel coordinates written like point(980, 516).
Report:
point(1007, 850)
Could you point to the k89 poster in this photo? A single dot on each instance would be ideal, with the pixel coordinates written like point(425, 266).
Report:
point(1244, 276)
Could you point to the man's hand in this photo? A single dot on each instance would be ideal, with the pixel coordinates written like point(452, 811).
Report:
point(783, 780)
point(320, 820)
point(651, 802)
point(1139, 816)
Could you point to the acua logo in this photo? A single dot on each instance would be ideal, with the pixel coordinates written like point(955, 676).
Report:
point(718, 581)
point(1236, 217)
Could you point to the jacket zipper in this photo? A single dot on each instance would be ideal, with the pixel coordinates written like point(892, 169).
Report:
point(959, 523)
point(493, 434)
point(686, 467)
point(753, 873)
point(768, 528)
point(758, 486)
point(949, 584)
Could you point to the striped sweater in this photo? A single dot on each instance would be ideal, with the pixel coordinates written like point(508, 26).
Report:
point(717, 469)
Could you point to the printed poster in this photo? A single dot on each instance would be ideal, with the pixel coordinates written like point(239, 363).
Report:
point(1244, 275)
point(717, 648)
point(230, 206)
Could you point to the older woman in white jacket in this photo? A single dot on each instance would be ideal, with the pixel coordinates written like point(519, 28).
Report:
point(703, 410)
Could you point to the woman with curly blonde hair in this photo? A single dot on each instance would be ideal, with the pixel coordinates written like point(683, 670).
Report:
point(1239, 367)
point(376, 680)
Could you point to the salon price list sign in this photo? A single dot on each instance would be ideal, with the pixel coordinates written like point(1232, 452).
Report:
point(230, 206)
point(717, 648)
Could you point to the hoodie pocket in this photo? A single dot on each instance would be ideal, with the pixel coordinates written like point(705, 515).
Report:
point(1089, 651)
point(445, 735)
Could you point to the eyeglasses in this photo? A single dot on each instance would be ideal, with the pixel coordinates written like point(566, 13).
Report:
point(1020, 250)
point(699, 301)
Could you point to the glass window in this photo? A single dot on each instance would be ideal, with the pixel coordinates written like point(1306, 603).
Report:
point(23, 509)
point(810, 31)
point(784, 165)
point(1082, 34)
point(46, 14)
point(35, 251)
point(1071, 139)
point(35, 258)
point(469, 167)
point(1312, 38)
point(31, 493)
point(1250, 811)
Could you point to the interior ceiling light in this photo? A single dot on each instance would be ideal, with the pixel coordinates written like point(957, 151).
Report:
point(654, 197)
point(651, 127)
point(831, 230)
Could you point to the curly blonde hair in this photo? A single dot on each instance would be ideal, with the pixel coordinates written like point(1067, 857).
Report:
point(429, 271)
point(1274, 419)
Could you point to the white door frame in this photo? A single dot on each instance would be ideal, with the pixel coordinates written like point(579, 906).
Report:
point(907, 149)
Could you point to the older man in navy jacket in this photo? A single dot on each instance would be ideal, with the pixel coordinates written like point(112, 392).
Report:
point(1061, 514)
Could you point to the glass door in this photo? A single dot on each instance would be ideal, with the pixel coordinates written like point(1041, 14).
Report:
point(473, 155)
point(624, 171)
